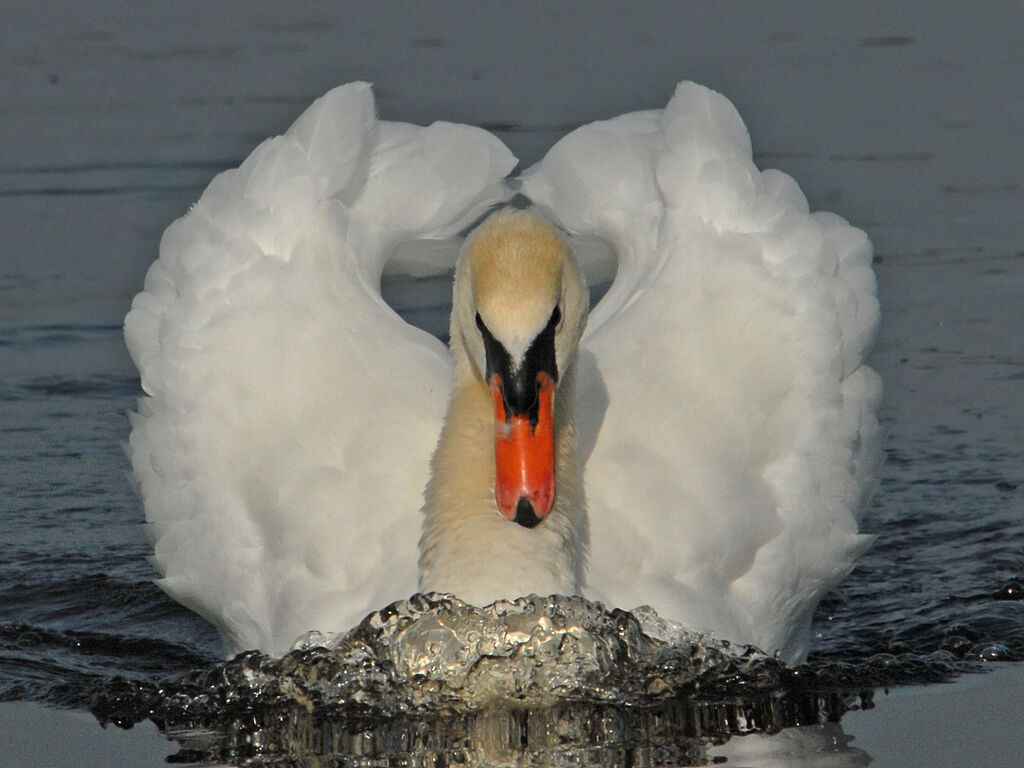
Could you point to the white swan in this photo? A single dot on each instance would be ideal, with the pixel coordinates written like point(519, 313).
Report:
point(725, 419)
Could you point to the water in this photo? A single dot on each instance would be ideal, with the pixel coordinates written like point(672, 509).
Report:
point(903, 120)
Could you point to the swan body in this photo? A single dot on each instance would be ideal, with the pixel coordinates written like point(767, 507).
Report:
point(714, 431)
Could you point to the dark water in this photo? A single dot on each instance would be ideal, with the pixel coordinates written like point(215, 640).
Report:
point(904, 122)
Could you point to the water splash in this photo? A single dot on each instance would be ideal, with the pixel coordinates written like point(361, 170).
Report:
point(557, 679)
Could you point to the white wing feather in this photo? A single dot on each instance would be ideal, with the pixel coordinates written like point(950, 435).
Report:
point(725, 404)
point(280, 499)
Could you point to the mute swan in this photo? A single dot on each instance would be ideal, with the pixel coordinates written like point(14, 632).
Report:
point(724, 423)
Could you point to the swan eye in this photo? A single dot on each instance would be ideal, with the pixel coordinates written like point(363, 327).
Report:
point(556, 317)
point(479, 321)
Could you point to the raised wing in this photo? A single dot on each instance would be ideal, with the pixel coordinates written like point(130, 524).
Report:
point(283, 445)
point(725, 403)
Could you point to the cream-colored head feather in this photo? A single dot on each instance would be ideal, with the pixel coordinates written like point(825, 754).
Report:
point(514, 270)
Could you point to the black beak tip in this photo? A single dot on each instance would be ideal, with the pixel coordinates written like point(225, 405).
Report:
point(525, 515)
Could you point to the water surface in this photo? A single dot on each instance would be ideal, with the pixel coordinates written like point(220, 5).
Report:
point(904, 120)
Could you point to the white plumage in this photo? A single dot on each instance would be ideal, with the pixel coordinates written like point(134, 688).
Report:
point(727, 422)
point(739, 444)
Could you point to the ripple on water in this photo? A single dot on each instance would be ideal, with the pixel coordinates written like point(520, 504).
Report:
point(99, 386)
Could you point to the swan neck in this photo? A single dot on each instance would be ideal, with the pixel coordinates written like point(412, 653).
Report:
point(467, 547)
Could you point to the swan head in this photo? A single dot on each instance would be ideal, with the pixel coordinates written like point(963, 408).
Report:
point(520, 306)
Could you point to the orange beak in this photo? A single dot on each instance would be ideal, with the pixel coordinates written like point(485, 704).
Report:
point(524, 452)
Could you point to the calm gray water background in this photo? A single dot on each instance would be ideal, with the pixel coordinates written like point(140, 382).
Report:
point(908, 121)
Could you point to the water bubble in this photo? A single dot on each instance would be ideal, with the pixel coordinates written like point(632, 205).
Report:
point(1011, 590)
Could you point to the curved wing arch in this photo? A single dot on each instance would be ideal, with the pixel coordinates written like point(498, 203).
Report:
point(726, 408)
point(278, 499)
